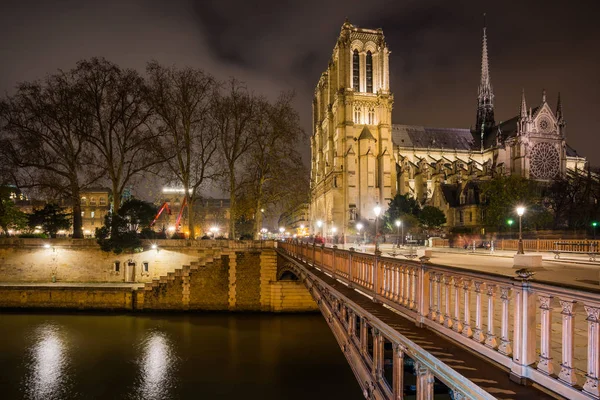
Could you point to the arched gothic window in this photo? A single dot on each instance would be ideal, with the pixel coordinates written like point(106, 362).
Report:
point(357, 115)
point(369, 70)
point(355, 71)
point(371, 117)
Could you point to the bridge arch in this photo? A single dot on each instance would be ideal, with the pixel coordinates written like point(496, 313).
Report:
point(287, 273)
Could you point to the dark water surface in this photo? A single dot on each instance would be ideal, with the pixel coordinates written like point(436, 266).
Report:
point(191, 356)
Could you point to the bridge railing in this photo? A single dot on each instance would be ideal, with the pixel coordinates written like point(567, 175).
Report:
point(528, 244)
point(541, 331)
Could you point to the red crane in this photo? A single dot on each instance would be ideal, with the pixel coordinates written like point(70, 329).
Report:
point(164, 207)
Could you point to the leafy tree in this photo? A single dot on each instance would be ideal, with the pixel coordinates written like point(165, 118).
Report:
point(116, 235)
point(504, 194)
point(138, 213)
point(51, 218)
point(183, 101)
point(402, 207)
point(432, 217)
point(10, 216)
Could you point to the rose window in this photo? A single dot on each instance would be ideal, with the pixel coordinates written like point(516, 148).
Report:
point(544, 161)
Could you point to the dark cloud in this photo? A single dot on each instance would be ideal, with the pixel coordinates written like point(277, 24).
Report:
point(282, 45)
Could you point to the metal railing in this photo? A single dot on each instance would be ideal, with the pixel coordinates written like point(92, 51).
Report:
point(513, 244)
point(494, 315)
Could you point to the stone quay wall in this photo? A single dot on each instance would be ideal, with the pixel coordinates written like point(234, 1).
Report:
point(180, 275)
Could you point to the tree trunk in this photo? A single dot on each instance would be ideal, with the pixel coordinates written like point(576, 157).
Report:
point(191, 216)
point(77, 220)
point(232, 210)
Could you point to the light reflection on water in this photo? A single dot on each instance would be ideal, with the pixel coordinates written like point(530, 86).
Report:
point(47, 361)
point(157, 367)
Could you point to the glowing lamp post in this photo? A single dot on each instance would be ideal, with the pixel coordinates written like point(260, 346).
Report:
point(594, 225)
point(398, 225)
point(510, 222)
point(359, 226)
point(520, 212)
point(377, 211)
point(319, 225)
point(333, 231)
point(281, 230)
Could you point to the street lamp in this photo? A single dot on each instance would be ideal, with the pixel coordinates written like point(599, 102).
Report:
point(359, 226)
point(320, 224)
point(377, 211)
point(281, 230)
point(399, 224)
point(594, 225)
point(510, 222)
point(520, 212)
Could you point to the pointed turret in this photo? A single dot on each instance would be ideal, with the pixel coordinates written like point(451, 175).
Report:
point(485, 98)
point(523, 105)
point(543, 96)
point(559, 112)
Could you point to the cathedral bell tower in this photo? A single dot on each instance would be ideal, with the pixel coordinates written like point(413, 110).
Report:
point(485, 98)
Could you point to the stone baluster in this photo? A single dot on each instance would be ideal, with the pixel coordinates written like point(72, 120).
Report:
point(396, 286)
point(364, 342)
point(333, 266)
point(386, 280)
point(376, 354)
point(447, 317)
point(398, 371)
point(466, 331)
point(490, 340)
point(545, 363)
point(404, 285)
point(592, 378)
point(413, 289)
point(425, 381)
point(505, 346)
point(439, 280)
point(567, 367)
point(431, 313)
point(457, 324)
point(478, 332)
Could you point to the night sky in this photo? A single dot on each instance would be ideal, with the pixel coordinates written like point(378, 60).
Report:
point(281, 45)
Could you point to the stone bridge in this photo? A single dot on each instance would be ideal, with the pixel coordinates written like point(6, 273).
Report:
point(420, 329)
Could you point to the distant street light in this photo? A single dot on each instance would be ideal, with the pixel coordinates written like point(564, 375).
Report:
point(320, 224)
point(594, 225)
point(377, 211)
point(359, 226)
point(399, 224)
point(520, 212)
point(281, 230)
point(510, 222)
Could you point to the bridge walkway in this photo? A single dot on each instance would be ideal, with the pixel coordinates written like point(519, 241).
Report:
point(491, 377)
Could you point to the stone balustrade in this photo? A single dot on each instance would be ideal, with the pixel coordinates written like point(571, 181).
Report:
point(504, 319)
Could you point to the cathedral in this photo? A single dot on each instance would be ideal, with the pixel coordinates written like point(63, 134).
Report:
point(360, 159)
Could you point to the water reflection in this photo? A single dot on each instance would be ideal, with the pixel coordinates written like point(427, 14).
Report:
point(157, 367)
point(46, 363)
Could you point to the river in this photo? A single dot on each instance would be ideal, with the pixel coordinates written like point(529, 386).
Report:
point(182, 356)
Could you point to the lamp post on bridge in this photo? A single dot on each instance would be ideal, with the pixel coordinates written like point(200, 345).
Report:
point(359, 226)
point(510, 222)
point(399, 224)
point(320, 224)
point(594, 225)
point(520, 212)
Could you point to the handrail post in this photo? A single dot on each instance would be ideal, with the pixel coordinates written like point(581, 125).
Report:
point(457, 326)
point(524, 331)
point(490, 340)
point(334, 248)
point(425, 380)
point(466, 331)
point(375, 276)
point(350, 254)
point(592, 378)
point(398, 371)
point(478, 333)
point(505, 345)
point(447, 317)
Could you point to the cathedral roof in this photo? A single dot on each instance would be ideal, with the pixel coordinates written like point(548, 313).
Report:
point(434, 138)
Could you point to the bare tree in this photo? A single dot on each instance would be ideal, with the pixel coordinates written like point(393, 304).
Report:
point(275, 175)
point(182, 99)
point(234, 115)
point(44, 130)
point(116, 101)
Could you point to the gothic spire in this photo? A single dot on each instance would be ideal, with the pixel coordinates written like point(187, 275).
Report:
point(485, 98)
point(559, 113)
point(523, 105)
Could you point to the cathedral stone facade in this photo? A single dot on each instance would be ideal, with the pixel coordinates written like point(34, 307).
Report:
point(360, 159)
